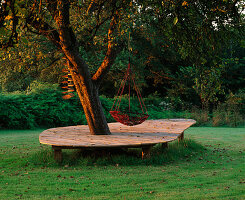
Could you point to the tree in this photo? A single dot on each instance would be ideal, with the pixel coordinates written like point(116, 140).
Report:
point(57, 20)
point(62, 34)
point(33, 58)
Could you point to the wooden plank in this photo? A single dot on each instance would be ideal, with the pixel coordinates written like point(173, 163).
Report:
point(151, 132)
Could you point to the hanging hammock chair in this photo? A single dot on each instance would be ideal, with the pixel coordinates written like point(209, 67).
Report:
point(128, 118)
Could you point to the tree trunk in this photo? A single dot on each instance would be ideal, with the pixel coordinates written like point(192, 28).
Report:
point(88, 94)
point(93, 111)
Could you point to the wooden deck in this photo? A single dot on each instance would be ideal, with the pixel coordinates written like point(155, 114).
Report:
point(145, 135)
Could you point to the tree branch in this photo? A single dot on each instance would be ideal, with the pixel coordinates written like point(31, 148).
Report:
point(38, 23)
point(4, 12)
point(44, 29)
point(69, 43)
point(98, 25)
point(54, 61)
point(112, 51)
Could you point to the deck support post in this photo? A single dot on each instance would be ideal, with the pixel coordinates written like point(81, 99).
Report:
point(57, 154)
point(181, 137)
point(165, 145)
point(146, 151)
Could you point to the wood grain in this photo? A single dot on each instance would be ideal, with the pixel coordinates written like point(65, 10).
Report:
point(151, 132)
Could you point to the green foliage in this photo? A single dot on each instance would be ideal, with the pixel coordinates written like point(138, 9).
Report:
point(198, 29)
point(42, 106)
point(34, 58)
point(201, 116)
point(164, 36)
point(207, 82)
point(231, 112)
point(233, 74)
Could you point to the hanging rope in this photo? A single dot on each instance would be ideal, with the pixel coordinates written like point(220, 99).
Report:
point(128, 118)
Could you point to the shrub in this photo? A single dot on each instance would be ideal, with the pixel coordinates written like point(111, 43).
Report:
point(227, 114)
point(43, 109)
point(231, 112)
point(201, 116)
point(42, 106)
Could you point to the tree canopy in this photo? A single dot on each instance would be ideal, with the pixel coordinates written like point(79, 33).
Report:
point(92, 36)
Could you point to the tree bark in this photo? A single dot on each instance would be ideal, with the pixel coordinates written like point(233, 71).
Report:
point(89, 97)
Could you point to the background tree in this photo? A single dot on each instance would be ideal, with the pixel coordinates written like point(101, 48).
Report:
point(33, 59)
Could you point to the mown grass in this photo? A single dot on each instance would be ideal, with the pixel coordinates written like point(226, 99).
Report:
point(209, 164)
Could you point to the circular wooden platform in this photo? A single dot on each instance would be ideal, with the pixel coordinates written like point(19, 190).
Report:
point(151, 132)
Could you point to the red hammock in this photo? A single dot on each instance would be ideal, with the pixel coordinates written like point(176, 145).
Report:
point(128, 118)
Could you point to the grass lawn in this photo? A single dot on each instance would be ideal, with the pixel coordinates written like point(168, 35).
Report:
point(209, 164)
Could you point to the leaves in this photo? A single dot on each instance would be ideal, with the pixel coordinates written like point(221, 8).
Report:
point(184, 3)
point(175, 20)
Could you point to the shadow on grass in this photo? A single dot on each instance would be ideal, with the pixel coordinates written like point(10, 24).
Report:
point(176, 152)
